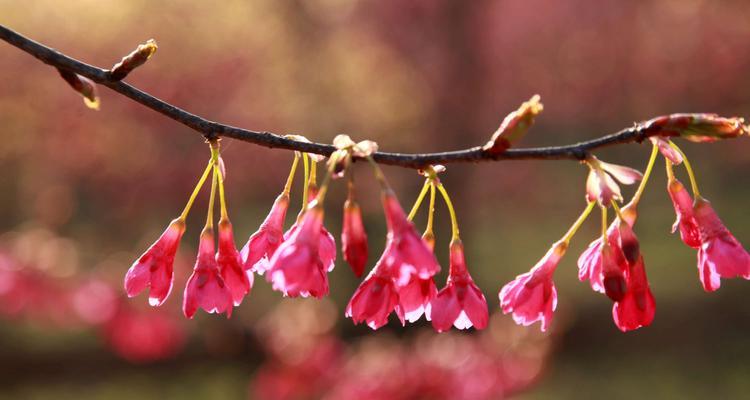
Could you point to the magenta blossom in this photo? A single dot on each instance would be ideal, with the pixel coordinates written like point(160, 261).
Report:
point(532, 296)
point(155, 269)
point(683, 207)
point(230, 264)
point(263, 243)
point(460, 303)
point(205, 288)
point(414, 298)
point(296, 268)
point(720, 255)
point(638, 307)
point(405, 252)
point(374, 299)
point(354, 238)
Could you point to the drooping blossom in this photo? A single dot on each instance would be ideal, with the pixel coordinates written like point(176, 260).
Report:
point(327, 243)
point(375, 297)
point(206, 288)
point(606, 266)
point(720, 254)
point(532, 296)
point(263, 243)
point(155, 268)
point(683, 207)
point(354, 238)
point(230, 264)
point(638, 307)
point(296, 268)
point(406, 253)
point(414, 298)
point(460, 303)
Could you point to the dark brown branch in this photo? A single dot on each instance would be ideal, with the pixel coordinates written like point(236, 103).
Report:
point(207, 128)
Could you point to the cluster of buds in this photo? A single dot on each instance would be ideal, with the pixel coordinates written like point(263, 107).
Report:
point(613, 263)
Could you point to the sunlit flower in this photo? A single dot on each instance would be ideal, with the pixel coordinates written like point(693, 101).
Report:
point(637, 307)
point(460, 303)
point(720, 255)
point(532, 296)
point(374, 299)
point(296, 268)
point(230, 264)
point(154, 269)
point(600, 185)
point(263, 243)
point(354, 238)
point(205, 288)
point(414, 298)
point(683, 207)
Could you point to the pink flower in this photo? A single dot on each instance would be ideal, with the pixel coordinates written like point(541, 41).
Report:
point(605, 267)
point(532, 296)
point(666, 150)
point(263, 243)
point(405, 252)
point(601, 186)
point(230, 264)
point(460, 303)
point(154, 269)
point(637, 307)
point(354, 238)
point(205, 288)
point(374, 299)
point(296, 268)
point(720, 255)
point(414, 298)
point(683, 207)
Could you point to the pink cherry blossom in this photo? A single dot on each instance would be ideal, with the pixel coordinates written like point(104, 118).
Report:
point(683, 207)
point(720, 254)
point(460, 303)
point(532, 296)
point(263, 243)
point(638, 307)
point(154, 269)
point(354, 238)
point(230, 264)
point(296, 268)
point(374, 299)
point(205, 288)
point(414, 298)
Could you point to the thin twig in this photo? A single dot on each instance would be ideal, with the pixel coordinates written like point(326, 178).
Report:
point(211, 129)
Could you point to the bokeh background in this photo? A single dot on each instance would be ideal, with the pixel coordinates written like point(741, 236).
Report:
point(83, 193)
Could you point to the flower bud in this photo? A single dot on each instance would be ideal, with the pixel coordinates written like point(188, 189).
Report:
point(514, 126)
point(133, 60)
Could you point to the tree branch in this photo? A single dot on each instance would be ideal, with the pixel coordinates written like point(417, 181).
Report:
point(209, 129)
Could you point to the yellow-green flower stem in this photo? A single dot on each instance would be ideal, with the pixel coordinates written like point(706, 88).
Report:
point(689, 168)
point(577, 225)
point(313, 172)
point(196, 190)
point(604, 223)
point(306, 185)
point(431, 211)
point(670, 170)
point(222, 199)
point(292, 171)
point(379, 174)
point(210, 216)
point(618, 212)
point(326, 179)
point(418, 202)
point(451, 211)
point(646, 175)
point(350, 185)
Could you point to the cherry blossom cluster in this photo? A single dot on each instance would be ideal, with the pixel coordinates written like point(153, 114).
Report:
point(296, 261)
point(613, 263)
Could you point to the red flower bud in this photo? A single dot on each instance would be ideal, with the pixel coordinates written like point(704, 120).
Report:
point(354, 238)
point(683, 207)
point(263, 243)
point(205, 288)
point(638, 307)
point(230, 264)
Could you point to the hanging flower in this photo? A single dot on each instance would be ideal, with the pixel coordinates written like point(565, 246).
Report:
point(354, 238)
point(205, 288)
point(720, 254)
point(263, 243)
point(683, 207)
point(638, 307)
point(532, 296)
point(230, 264)
point(155, 269)
point(375, 298)
point(460, 303)
point(296, 268)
